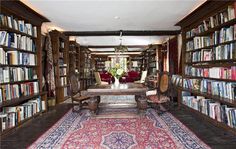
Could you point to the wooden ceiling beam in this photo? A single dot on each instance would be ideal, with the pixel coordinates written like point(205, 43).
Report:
point(112, 46)
point(124, 33)
point(112, 51)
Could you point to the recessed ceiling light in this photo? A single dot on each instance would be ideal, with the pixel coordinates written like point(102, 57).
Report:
point(117, 17)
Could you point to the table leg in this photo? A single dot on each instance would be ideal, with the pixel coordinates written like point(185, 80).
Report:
point(93, 104)
point(141, 103)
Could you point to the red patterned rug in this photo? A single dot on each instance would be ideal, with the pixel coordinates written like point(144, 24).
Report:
point(152, 131)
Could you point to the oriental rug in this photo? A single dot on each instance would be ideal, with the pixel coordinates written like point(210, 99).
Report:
point(151, 131)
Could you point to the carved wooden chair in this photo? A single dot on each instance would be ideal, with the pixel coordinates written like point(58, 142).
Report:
point(143, 77)
point(160, 95)
point(80, 98)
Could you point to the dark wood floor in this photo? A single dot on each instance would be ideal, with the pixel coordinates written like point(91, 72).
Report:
point(30, 131)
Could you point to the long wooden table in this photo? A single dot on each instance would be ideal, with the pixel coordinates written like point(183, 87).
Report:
point(137, 89)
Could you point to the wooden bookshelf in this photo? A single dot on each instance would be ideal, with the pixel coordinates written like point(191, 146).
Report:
point(197, 25)
point(60, 48)
point(86, 66)
point(18, 11)
point(74, 60)
point(99, 62)
point(138, 59)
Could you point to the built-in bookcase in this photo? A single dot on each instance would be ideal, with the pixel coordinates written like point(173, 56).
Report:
point(86, 73)
point(60, 48)
point(136, 62)
point(100, 63)
point(74, 57)
point(144, 61)
point(209, 63)
point(21, 96)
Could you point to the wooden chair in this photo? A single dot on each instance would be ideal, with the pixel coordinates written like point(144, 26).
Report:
point(160, 95)
point(143, 77)
point(80, 97)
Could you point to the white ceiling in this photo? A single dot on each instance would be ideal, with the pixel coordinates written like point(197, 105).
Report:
point(115, 40)
point(101, 15)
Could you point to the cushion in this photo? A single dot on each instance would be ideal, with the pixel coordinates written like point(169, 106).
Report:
point(151, 92)
point(155, 99)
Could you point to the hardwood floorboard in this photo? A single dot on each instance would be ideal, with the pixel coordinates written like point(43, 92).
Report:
point(25, 135)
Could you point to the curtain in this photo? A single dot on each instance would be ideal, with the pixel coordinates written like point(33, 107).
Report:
point(49, 69)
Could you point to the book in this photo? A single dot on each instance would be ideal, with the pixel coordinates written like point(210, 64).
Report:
point(3, 59)
point(3, 121)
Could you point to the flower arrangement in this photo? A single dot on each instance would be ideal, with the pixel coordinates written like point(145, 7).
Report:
point(116, 71)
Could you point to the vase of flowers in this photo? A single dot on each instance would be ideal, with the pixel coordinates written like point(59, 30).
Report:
point(116, 72)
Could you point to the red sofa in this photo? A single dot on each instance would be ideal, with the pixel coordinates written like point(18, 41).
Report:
point(131, 76)
point(106, 76)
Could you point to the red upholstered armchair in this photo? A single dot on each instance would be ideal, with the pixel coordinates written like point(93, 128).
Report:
point(131, 76)
point(105, 76)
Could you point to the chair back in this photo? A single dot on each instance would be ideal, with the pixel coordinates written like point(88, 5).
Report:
point(98, 78)
point(74, 84)
point(143, 76)
point(164, 83)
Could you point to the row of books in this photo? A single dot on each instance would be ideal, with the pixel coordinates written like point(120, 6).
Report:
point(222, 52)
point(19, 58)
point(62, 44)
point(61, 62)
point(152, 64)
point(17, 24)
point(100, 63)
point(214, 72)
point(63, 81)
point(61, 54)
point(62, 71)
point(12, 74)
point(211, 108)
point(9, 92)
point(213, 21)
point(176, 80)
point(12, 116)
point(211, 87)
point(13, 40)
point(222, 36)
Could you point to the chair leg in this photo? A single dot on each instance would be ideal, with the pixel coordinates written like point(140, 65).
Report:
point(93, 105)
point(73, 105)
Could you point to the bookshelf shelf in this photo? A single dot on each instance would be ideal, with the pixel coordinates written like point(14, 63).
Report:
point(212, 46)
point(63, 66)
point(212, 62)
point(217, 79)
point(63, 75)
point(226, 101)
point(17, 49)
point(4, 65)
point(17, 101)
point(210, 17)
point(19, 82)
point(4, 28)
